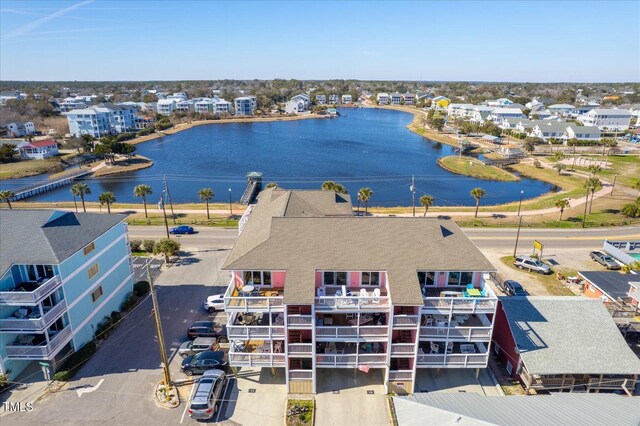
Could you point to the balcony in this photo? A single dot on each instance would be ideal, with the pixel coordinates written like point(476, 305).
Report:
point(255, 332)
point(30, 293)
point(300, 349)
point(352, 299)
point(258, 301)
point(300, 374)
point(375, 332)
point(34, 323)
point(403, 349)
point(400, 375)
point(444, 301)
point(242, 359)
point(405, 321)
point(453, 360)
point(42, 350)
point(351, 360)
point(299, 321)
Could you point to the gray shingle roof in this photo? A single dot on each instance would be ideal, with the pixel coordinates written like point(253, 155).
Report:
point(48, 237)
point(568, 335)
point(549, 410)
point(614, 284)
point(302, 245)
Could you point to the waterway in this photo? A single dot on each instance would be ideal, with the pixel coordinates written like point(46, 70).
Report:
point(363, 148)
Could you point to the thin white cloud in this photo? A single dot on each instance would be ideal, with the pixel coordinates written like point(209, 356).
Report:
point(76, 30)
point(27, 28)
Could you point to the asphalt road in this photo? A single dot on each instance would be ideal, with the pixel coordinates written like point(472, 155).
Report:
point(485, 238)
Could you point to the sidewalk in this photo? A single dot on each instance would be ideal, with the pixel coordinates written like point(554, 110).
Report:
point(27, 387)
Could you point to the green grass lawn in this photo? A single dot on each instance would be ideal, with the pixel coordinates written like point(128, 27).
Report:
point(299, 412)
point(183, 219)
point(475, 168)
point(26, 168)
point(627, 167)
point(553, 286)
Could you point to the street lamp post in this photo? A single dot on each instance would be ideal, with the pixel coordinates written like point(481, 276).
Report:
point(164, 214)
point(515, 249)
point(230, 210)
point(520, 204)
point(413, 195)
point(586, 202)
point(614, 184)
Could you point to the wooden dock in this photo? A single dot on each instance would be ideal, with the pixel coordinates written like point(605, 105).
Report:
point(32, 190)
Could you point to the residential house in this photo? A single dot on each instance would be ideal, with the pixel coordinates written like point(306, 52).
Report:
point(166, 106)
point(472, 409)
point(524, 126)
point(13, 95)
point(550, 130)
point(561, 109)
point(579, 110)
point(440, 102)
point(563, 344)
point(101, 120)
point(184, 106)
point(203, 106)
point(423, 97)
point(608, 286)
point(180, 96)
point(18, 130)
point(311, 291)
point(245, 105)
point(61, 274)
point(498, 103)
point(39, 150)
point(306, 99)
point(607, 119)
point(583, 133)
point(459, 110)
point(321, 99)
point(383, 98)
point(510, 151)
point(346, 99)
point(395, 98)
point(535, 103)
point(409, 98)
point(294, 106)
point(334, 99)
point(509, 123)
point(480, 114)
point(541, 114)
point(498, 114)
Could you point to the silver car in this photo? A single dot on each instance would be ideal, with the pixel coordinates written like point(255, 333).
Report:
point(604, 259)
point(533, 265)
point(207, 397)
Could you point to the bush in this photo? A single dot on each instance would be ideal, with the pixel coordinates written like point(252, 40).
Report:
point(149, 245)
point(75, 361)
point(135, 245)
point(103, 329)
point(115, 317)
point(141, 288)
point(129, 302)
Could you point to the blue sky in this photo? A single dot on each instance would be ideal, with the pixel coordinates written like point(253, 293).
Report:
point(154, 40)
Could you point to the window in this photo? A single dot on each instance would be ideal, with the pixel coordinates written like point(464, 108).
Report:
point(93, 270)
point(88, 249)
point(262, 278)
point(371, 278)
point(454, 278)
point(97, 293)
point(427, 278)
point(334, 278)
point(466, 278)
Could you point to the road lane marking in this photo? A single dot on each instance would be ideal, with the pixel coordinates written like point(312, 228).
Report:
point(553, 238)
point(89, 389)
point(193, 386)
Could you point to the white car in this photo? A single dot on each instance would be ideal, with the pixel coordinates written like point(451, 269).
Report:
point(214, 303)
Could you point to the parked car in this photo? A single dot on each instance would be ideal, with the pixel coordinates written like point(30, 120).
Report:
point(203, 361)
point(207, 329)
point(207, 397)
point(199, 344)
point(533, 265)
point(182, 229)
point(214, 303)
point(514, 288)
point(604, 259)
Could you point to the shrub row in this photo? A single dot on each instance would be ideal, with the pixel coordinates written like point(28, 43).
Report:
point(75, 361)
point(146, 245)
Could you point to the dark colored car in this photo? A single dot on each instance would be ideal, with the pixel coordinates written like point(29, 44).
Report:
point(203, 361)
point(514, 288)
point(604, 259)
point(208, 329)
point(182, 229)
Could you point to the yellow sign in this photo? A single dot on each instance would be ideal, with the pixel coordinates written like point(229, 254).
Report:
point(537, 245)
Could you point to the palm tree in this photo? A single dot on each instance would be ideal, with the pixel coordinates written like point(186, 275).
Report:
point(142, 191)
point(594, 169)
point(365, 195)
point(426, 201)
point(559, 167)
point(80, 190)
point(562, 204)
point(6, 196)
point(477, 194)
point(167, 247)
point(333, 186)
point(107, 198)
point(529, 146)
point(592, 184)
point(206, 194)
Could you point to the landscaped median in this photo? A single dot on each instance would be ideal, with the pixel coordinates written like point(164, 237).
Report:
point(475, 168)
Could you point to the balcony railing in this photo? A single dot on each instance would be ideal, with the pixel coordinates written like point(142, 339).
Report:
point(255, 332)
point(300, 374)
point(34, 324)
point(40, 351)
point(351, 360)
point(460, 304)
point(30, 297)
point(351, 332)
point(453, 360)
point(456, 333)
point(300, 321)
point(257, 359)
point(352, 302)
point(400, 375)
point(403, 349)
point(300, 348)
point(403, 321)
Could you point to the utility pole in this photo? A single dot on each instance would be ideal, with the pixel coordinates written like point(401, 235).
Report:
point(164, 214)
point(413, 194)
point(156, 316)
point(614, 184)
point(230, 210)
point(166, 188)
point(586, 202)
point(515, 249)
point(520, 204)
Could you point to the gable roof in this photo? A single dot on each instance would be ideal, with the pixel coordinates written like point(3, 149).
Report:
point(568, 335)
point(614, 284)
point(48, 237)
point(587, 409)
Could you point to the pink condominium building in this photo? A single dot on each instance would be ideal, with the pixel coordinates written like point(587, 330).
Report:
point(314, 287)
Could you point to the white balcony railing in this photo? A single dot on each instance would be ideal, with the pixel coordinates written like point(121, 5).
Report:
point(34, 324)
point(461, 304)
point(30, 297)
point(40, 351)
point(300, 348)
point(235, 300)
point(255, 332)
point(456, 333)
point(405, 321)
point(351, 360)
point(300, 374)
point(400, 375)
point(373, 303)
point(300, 321)
point(403, 349)
point(453, 360)
point(256, 359)
point(351, 332)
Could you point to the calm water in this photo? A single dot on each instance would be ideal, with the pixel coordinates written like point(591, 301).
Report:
point(367, 147)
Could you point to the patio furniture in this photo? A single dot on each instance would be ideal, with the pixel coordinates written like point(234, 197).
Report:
point(435, 348)
point(277, 348)
point(427, 320)
point(451, 294)
point(321, 292)
point(450, 348)
point(376, 295)
point(473, 292)
point(470, 287)
point(279, 319)
point(247, 289)
point(25, 340)
point(442, 325)
point(363, 292)
point(467, 349)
